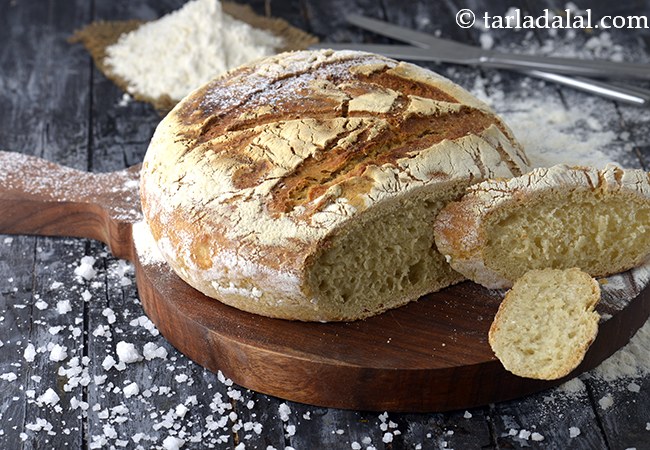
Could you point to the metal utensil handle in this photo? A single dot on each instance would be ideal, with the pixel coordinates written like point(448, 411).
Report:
point(635, 96)
point(567, 66)
point(450, 49)
point(413, 37)
point(406, 52)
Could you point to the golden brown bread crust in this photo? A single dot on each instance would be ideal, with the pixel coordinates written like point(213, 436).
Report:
point(251, 175)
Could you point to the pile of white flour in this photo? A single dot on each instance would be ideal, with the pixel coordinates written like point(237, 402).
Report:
point(185, 49)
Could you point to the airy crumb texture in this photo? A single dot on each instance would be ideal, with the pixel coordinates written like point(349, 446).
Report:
point(384, 262)
point(546, 323)
point(559, 217)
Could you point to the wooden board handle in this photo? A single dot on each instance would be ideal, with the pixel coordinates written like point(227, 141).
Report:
point(43, 198)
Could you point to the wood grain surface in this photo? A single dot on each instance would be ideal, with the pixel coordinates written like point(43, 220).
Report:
point(56, 106)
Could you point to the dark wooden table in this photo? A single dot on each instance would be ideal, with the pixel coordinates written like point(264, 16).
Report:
point(56, 105)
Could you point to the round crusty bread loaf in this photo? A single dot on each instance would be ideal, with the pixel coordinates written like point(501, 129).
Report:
point(305, 185)
point(546, 323)
point(558, 217)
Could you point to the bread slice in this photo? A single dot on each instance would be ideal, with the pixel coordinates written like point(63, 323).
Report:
point(558, 217)
point(546, 323)
point(305, 185)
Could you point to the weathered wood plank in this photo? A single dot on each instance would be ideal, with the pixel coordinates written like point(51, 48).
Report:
point(308, 427)
point(57, 336)
point(48, 113)
point(622, 409)
point(547, 418)
point(44, 81)
point(45, 90)
point(459, 429)
point(16, 303)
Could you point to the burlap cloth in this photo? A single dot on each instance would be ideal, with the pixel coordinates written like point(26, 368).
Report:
point(99, 35)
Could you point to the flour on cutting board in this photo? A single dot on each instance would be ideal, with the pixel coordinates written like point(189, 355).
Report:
point(185, 49)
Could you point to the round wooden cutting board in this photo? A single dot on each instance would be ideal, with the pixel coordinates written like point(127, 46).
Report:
point(431, 355)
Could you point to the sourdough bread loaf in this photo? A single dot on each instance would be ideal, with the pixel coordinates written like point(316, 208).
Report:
point(305, 186)
point(546, 323)
point(558, 217)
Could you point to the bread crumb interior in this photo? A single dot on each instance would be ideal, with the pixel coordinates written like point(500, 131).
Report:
point(547, 323)
point(383, 262)
point(578, 230)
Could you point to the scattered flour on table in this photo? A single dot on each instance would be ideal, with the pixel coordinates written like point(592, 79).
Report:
point(9, 376)
point(130, 390)
point(185, 49)
point(49, 398)
point(40, 304)
point(632, 361)
point(30, 353)
point(552, 134)
point(606, 402)
point(85, 268)
point(127, 352)
point(548, 133)
point(63, 307)
point(172, 443)
point(58, 353)
point(284, 411)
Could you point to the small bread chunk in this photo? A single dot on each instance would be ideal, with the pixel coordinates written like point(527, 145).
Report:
point(546, 323)
point(557, 217)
